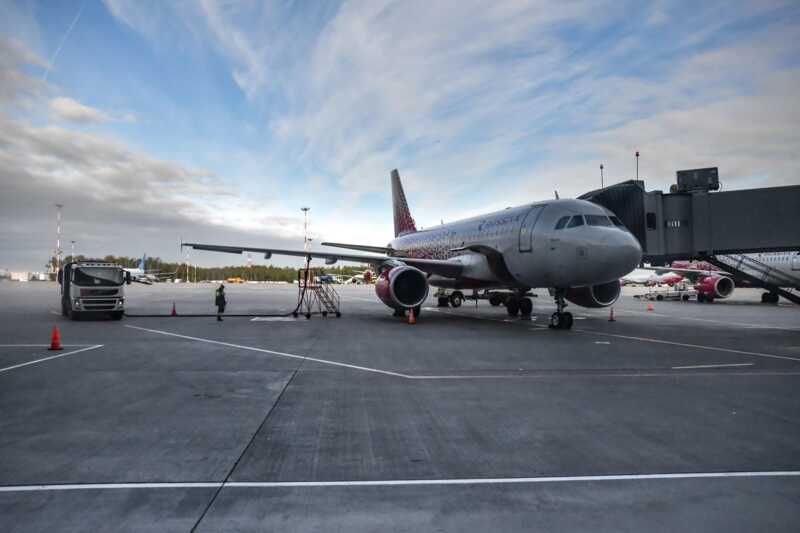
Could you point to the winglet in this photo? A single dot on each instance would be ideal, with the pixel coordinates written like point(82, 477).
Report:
point(403, 223)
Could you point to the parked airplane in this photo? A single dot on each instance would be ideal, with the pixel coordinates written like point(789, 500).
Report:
point(712, 282)
point(648, 278)
point(365, 277)
point(140, 274)
point(576, 248)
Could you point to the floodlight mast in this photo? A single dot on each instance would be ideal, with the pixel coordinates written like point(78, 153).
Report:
point(305, 211)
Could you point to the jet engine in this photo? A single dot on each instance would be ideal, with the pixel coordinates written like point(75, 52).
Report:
point(594, 295)
point(715, 286)
point(402, 287)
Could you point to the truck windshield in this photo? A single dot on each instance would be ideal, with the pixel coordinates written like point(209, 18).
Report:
point(93, 276)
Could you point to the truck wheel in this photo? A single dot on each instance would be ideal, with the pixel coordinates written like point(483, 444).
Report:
point(495, 299)
point(443, 301)
point(65, 309)
point(456, 299)
point(116, 315)
point(75, 315)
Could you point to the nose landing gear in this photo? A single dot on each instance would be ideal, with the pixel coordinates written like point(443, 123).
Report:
point(561, 319)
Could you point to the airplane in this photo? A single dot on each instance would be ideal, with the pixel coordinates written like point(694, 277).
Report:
point(141, 275)
point(365, 277)
point(712, 282)
point(575, 248)
point(650, 279)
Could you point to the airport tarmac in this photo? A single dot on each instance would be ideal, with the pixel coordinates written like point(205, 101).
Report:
point(684, 418)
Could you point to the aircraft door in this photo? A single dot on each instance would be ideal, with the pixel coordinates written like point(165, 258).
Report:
point(526, 228)
point(796, 261)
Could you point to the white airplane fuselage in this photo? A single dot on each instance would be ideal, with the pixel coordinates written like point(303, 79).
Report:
point(522, 247)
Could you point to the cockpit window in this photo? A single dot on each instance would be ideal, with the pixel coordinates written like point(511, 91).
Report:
point(597, 220)
point(576, 221)
point(562, 222)
point(616, 221)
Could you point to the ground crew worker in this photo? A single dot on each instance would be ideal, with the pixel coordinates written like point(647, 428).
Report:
point(219, 301)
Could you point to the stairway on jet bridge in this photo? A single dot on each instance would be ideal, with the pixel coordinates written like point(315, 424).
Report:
point(759, 274)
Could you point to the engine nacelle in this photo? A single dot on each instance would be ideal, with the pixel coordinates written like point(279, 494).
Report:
point(715, 286)
point(601, 295)
point(402, 287)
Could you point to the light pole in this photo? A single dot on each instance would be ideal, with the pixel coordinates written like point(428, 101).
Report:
point(58, 238)
point(637, 164)
point(72, 253)
point(305, 211)
point(601, 176)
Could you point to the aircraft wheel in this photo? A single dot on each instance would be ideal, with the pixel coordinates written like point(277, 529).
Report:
point(495, 300)
point(659, 297)
point(773, 298)
point(294, 314)
point(685, 297)
point(456, 299)
point(525, 306)
point(338, 314)
point(710, 299)
point(324, 313)
point(561, 320)
point(443, 301)
point(308, 315)
point(701, 297)
point(512, 305)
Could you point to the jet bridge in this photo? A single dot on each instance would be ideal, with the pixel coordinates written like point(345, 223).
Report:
point(698, 223)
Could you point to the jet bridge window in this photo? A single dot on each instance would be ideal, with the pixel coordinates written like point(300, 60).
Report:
point(562, 222)
point(576, 221)
point(597, 220)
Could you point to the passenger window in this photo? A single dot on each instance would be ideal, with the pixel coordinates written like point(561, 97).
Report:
point(576, 221)
point(597, 220)
point(562, 222)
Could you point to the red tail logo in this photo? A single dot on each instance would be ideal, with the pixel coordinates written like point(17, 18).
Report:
point(403, 223)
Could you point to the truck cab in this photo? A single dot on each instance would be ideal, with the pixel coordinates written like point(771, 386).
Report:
point(90, 288)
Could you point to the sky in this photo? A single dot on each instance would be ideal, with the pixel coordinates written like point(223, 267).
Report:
point(215, 121)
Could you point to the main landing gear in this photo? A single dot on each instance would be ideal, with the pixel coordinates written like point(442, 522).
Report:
point(519, 304)
point(561, 319)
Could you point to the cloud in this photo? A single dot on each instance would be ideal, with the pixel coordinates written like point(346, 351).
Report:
point(69, 110)
point(15, 84)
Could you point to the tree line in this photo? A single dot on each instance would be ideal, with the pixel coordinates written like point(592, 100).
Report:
point(192, 273)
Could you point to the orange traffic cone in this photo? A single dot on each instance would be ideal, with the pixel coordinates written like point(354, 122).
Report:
point(650, 306)
point(611, 316)
point(411, 318)
point(55, 339)
point(174, 312)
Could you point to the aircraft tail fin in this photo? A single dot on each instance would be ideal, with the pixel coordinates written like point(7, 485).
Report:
point(403, 223)
point(143, 262)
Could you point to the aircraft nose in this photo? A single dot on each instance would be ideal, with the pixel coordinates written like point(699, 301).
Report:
point(623, 253)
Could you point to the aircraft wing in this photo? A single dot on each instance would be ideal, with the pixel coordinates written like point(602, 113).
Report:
point(448, 269)
point(689, 272)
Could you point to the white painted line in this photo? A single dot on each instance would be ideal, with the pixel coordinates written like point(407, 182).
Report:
point(687, 345)
point(40, 345)
point(711, 320)
point(276, 319)
point(55, 313)
point(51, 357)
point(400, 482)
point(108, 486)
point(721, 365)
point(273, 352)
point(602, 342)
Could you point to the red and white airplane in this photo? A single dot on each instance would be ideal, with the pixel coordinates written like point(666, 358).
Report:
point(574, 247)
point(712, 282)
